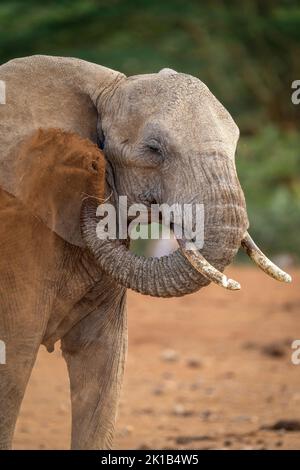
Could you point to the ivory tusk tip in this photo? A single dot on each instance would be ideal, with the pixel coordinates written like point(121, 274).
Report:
point(198, 261)
point(287, 278)
point(233, 285)
point(262, 261)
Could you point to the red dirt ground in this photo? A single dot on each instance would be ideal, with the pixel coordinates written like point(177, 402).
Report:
point(211, 370)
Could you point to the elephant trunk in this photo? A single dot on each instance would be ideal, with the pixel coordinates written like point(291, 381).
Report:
point(183, 271)
point(168, 276)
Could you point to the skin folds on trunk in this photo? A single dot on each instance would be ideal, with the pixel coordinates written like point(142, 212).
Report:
point(167, 276)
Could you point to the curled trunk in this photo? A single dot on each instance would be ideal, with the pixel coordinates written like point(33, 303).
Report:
point(168, 276)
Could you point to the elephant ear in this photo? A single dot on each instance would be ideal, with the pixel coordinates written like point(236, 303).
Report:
point(55, 171)
point(49, 92)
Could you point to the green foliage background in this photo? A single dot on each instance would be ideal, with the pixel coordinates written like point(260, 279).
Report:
point(247, 52)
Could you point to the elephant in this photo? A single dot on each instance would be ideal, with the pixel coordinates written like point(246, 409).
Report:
point(73, 135)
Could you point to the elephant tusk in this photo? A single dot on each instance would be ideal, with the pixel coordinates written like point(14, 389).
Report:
point(262, 261)
point(206, 269)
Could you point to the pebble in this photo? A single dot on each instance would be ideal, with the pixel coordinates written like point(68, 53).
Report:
point(227, 443)
point(144, 447)
point(180, 410)
point(158, 390)
point(205, 415)
point(196, 385)
point(125, 431)
point(147, 411)
point(24, 429)
point(129, 429)
point(241, 418)
point(193, 362)
point(169, 355)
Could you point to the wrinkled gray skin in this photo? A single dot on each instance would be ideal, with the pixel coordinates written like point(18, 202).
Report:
point(183, 152)
point(168, 140)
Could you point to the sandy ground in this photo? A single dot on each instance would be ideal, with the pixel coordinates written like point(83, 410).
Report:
point(211, 370)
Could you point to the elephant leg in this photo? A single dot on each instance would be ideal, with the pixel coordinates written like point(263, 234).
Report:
point(17, 359)
point(24, 312)
point(95, 351)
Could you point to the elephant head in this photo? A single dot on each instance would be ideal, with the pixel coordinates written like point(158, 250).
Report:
point(166, 139)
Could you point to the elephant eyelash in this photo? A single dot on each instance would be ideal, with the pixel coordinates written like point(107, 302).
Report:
point(154, 148)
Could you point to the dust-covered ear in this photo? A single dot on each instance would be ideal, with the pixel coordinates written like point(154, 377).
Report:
point(55, 170)
point(49, 92)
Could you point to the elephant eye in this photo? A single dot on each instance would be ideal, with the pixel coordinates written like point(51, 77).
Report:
point(154, 148)
point(152, 151)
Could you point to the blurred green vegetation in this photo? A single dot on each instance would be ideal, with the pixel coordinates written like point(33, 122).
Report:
point(248, 53)
point(268, 165)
